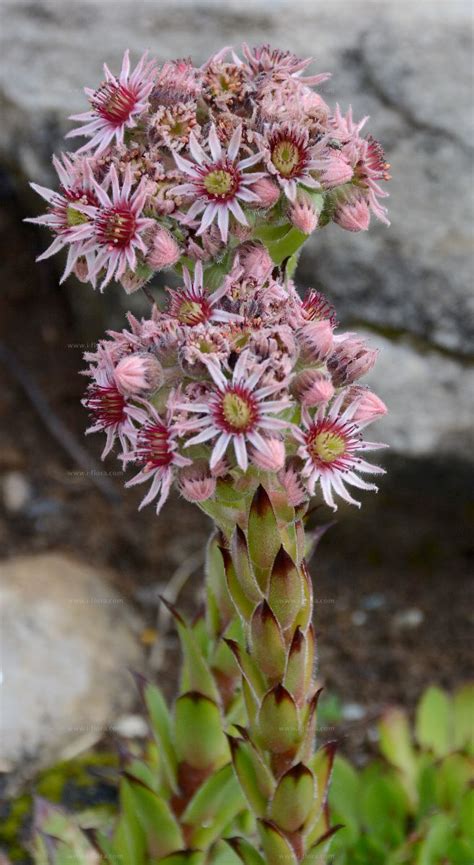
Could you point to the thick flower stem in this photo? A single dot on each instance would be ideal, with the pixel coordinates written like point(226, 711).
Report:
point(283, 778)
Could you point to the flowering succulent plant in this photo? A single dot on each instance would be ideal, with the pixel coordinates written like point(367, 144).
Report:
point(243, 394)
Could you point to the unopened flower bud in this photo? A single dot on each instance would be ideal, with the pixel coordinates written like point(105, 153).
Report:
point(350, 360)
point(369, 406)
point(196, 483)
point(272, 459)
point(312, 388)
point(316, 340)
point(132, 282)
point(268, 192)
point(256, 261)
point(241, 232)
point(336, 171)
point(304, 215)
point(290, 479)
point(81, 270)
point(164, 251)
point(353, 214)
point(138, 374)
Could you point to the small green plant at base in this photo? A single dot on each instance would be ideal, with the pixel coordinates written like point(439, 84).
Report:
point(415, 806)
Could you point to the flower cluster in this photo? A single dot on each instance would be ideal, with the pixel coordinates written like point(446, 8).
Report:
point(222, 384)
point(180, 162)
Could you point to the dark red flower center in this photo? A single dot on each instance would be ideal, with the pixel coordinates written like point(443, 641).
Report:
point(236, 410)
point(106, 404)
point(153, 446)
point(190, 308)
point(116, 226)
point(114, 102)
point(317, 308)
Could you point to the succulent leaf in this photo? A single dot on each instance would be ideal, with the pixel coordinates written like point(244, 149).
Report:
point(160, 721)
point(463, 714)
point(433, 721)
point(293, 798)
point(208, 800)
point(162, 833)
point(268, 645)
point(199, 737)
point(196, 675)
point(254, 777)
point(278, 722)
point(285, 589)
point(263, 536)
point(243, 567)
point(246, 851)
point(276, 847)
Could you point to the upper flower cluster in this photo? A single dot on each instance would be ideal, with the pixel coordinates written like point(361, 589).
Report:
point(185, 163)
point(221, 385)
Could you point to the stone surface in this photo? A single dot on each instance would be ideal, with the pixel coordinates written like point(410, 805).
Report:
point(429, 397)
point(67, 641)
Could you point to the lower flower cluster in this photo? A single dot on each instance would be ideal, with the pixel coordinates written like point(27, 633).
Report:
point(248, 377)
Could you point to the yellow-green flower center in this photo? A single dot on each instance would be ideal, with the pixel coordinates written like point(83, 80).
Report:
point(238, 411)
point(218, 182)
point(285, 157)
point(191, 312)
point(75, 217)
point(327, 446)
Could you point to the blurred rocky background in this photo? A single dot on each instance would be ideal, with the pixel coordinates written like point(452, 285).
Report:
point(392, 581)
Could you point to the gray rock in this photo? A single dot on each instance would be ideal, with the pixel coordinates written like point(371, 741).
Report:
point(67, 641)
point(429, 397)
point(16, 491)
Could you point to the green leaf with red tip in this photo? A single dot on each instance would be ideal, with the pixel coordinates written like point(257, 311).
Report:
point(268, 645)
point(299, 670)
point(254, 777)
point(276, 847)
point(246, 851)
point(308, 723)
point(321, 765)
point(105, 848)
point(216, 584)
point(285, 594)
point(199, 737)
point(184, 857)
point(263, 537)
point(305, 614)
point(129, 840)
point(161, 831)
point(243, 567)
point(252, 704)
point(196, 675)
point(223, 854)
point(433, 725)
point(160, 723)
point(242, 603)
point(232, 803)
point(317, 854)
point(293, 798)
point(278, 722)
point(211, 797)
point(249, 669)
point(57, 852)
